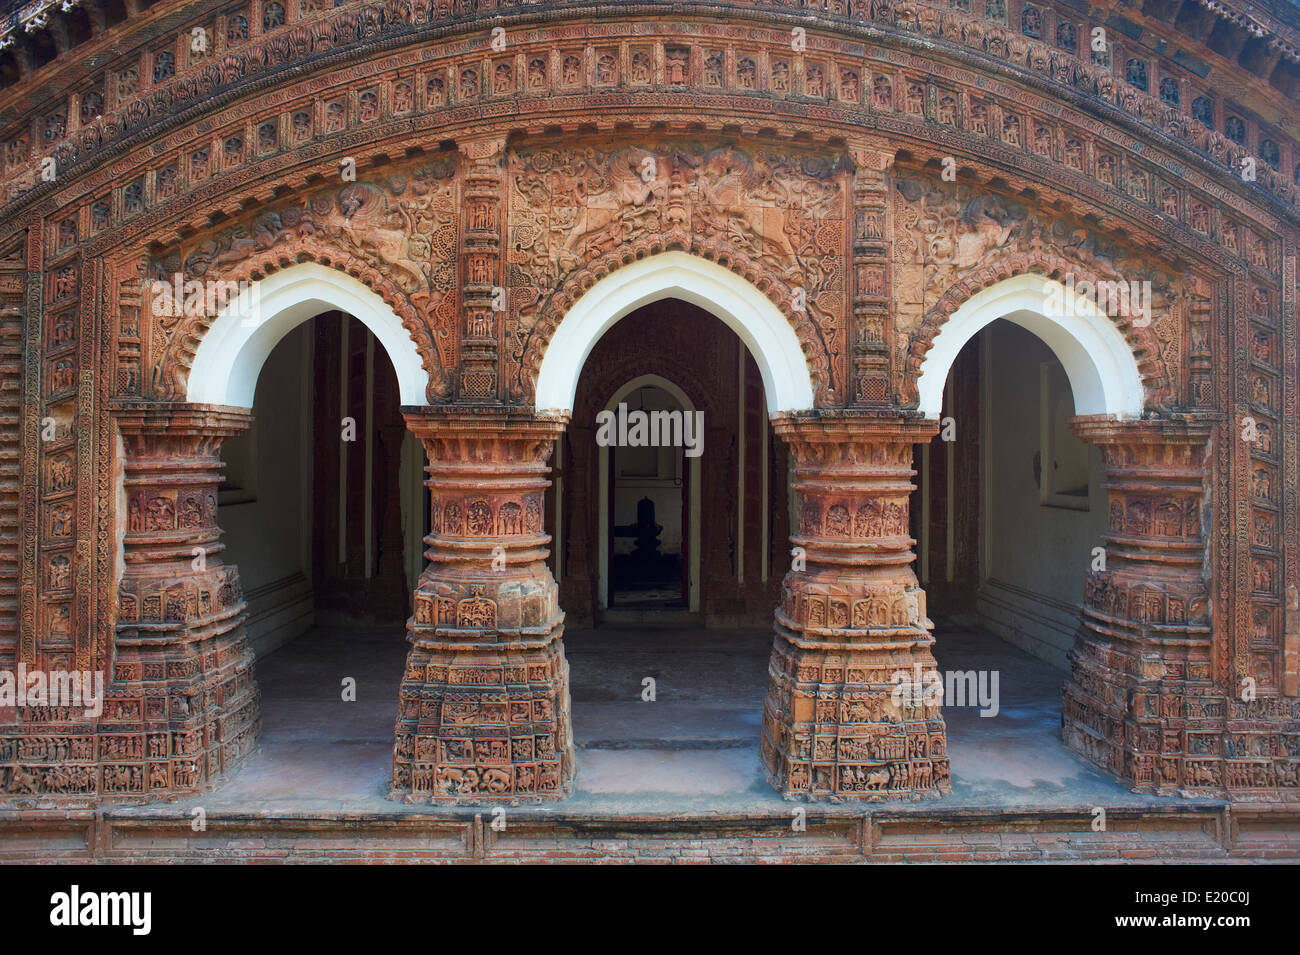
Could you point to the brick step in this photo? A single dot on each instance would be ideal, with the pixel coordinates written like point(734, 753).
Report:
point(418, 834)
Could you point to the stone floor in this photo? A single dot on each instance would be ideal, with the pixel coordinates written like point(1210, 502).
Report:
point(694, 749)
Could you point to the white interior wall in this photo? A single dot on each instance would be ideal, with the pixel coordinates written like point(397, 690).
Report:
point(1035, 556)
point(268, 537)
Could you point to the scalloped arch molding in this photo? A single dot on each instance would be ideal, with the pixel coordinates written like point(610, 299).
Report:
point(232, 352)
point(1103, 373)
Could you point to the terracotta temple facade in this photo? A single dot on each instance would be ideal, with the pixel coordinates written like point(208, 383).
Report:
point(839, 194)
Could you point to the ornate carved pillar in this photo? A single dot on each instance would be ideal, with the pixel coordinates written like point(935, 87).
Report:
point(852, 622)
point(872, 337)
point(1141, 701)
point(484, 701)
point(482, 306)
point(181, 706)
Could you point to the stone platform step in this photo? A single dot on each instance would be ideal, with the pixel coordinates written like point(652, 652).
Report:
point(844, 834)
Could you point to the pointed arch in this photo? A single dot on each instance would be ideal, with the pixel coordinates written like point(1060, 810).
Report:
point(236, 345)
point(1103, 372)
point(765, 330)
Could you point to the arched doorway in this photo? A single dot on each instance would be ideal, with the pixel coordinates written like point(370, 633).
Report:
point(650, 321)
point(766, 332)
point(633, 561)
point(669, 452)
point(325, 364)
point(1104, 376)
point(230, 356)
point(322, 508)
point(1009, 506)
point(1005, 376)
point(322, 496)
point(673, 334)
point(1014, 514)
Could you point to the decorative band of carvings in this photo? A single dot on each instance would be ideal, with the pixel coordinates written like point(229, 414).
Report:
point(333, 38)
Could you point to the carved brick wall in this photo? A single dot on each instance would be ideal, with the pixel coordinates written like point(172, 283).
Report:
point(815, 172)
point(484, 298)
point(13, 280)
point(872, 330)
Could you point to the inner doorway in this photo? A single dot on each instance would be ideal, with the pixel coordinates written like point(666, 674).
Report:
point(649, 511)
point(650, 552)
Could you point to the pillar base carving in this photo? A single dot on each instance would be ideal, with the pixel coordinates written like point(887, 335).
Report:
point(484, 710)
point(845, 716)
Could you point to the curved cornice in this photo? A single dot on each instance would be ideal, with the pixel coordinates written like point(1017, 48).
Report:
point(905, 30)
point(512, 114)
point(1276, 20)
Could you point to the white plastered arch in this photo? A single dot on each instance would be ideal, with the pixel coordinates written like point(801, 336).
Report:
point(1103, 373)
point(742, 307)
point(231, 354)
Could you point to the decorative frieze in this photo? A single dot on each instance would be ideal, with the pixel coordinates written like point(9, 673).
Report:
point(484, 298)
point(872, 329)
point(776, 216)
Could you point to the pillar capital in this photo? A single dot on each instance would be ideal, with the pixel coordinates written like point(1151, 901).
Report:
point(853, 476)
point(171, 472)
point(487, 472)
point(1166, 444)
point(843, 435)
point(181, 420)
point(486, 437)
point(1155, 479)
